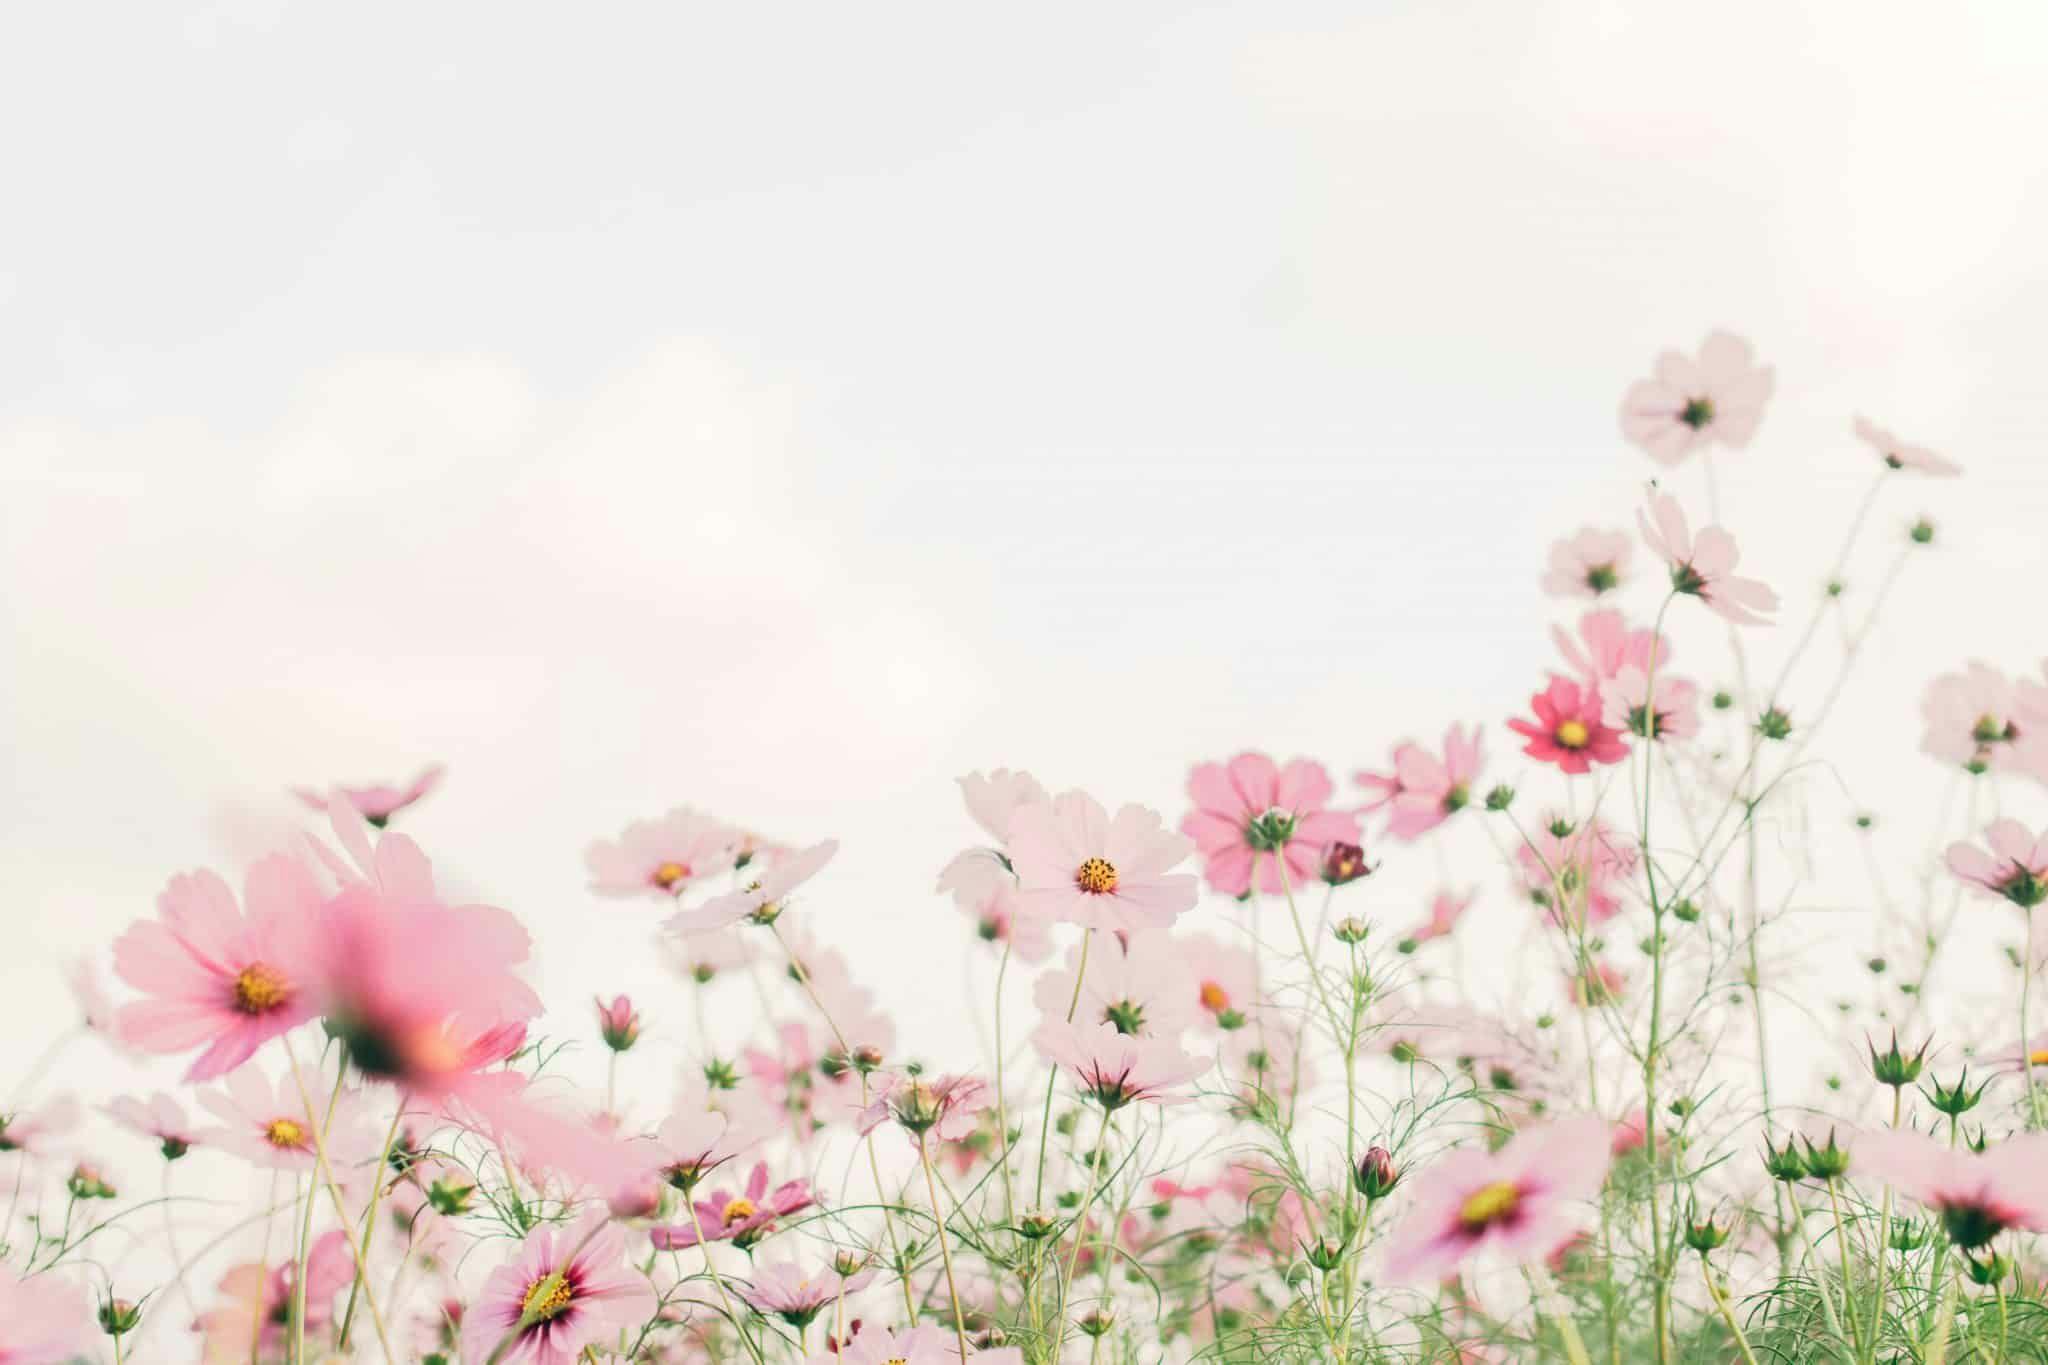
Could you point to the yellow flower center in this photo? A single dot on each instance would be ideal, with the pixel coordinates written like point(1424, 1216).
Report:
point(668, 874)
point(1097, 877)
point(1573, 734)
point(259, 989)
point(547, 1298)
point(1214, 998)
point(2038, 1057)
point(738, 1211)
point(1489, 1205)
point(284, 1134)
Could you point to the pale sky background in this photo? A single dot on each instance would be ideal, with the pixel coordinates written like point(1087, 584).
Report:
point(785, 409)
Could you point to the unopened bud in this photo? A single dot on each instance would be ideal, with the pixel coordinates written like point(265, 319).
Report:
point(1376, 1175)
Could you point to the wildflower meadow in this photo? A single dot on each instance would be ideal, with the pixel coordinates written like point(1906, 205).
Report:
point(1233, 1103)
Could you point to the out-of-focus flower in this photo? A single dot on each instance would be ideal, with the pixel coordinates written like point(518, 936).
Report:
point(618, 1023)
point(1446, 907)
point(1597, 984)
point(1675, 714)
point(1251, 814)
point(1116, 1069)
point(1225, 980)
point(215, 976)
point(1076, 864)
point(2015, 868)
point(782, 1289)
point(1517, 1205)
point(44, 1321)
point(1605, 645)
point(37, 1132)
point(1977, 1196)
point(258, 1301)
point(566, 1288)
point(1972, 719)
point(379, 801)
point(999, 918)
point(742, 1217)
point(1703, 566)
point(160, 1118)
point(1692, 403)
point(1423, 791)
point(266, 1123)
point(1897, 454)
point(1588, 564)
point(1569, 729)
point(1140, 987)
point(915, 1346)
point(944, 1106)
point(1577, 875)
point(664, 857)
point(760, 901)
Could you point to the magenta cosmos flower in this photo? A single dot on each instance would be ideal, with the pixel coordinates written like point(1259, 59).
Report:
point(217, 977)
point(1703, 566)
point(1074, 863)
point(742, 1217)
point(43, 1322)
point(1897, 454)
point(664, 857)
point(1116, 1069)
point(1423, 791)
point(1972, 719)
point(1569, 729)
point(1691, 404)
point(1675, 713)
point(1516, 1206)
point(1588, 564)
point(1977, 1196)
point(379, 801)
point(2015, 868)
point(1248, 807)
point(760, 901)
point(917, 1346)
point(567, 1288)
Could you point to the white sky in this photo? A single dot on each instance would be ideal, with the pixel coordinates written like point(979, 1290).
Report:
point(785, 409)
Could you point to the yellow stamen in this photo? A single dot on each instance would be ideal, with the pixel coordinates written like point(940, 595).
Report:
point(284, 1134)
point(668, 874)
point(738, 1211)
point(1573, 734)
point(1490, 1204)
point(2039, 1058)
point(1214, 998)
point(260, 988)
point(1097, 877)
point(544, 1302)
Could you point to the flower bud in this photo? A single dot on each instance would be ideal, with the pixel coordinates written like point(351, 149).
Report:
point(1826, 1163)
point(1703, 1235)
point(173, 1148)
point(86, 1182)
point(118, 1317)
point(1908, 1234)
point(1993, 1269)
point(1036, 1227)
point(866, 1058)
point(1784, 1165)
point(1895, 1068)
point(1922, 532)
point(1958, 1099)
point(1325, 1256)
point(618, 1024)
point(1500, 798)
point(1097, 1323)
point(1774, 723)
point(451, 1196)
point(1376, 1175)
point(1351, 929)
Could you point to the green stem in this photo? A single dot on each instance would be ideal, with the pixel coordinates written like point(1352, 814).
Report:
point(1080, 1225)
point(1727, 1314)
point(924, 1159)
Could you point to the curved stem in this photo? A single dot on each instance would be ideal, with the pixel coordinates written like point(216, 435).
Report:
point(924, 1159)
point(1059, 1339)
point(1727, 1314)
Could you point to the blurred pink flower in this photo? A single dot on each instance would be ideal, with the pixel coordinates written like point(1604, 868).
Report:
point(992, 799)
point(1703, 566)
point(215, 976)
point(160, 1118)
point(1141, 986)
point(1626, 705)
point(1568, 729)
point(1588, 564)
point(1609, 647)
point(781, 1289)
point(378, 802)
point(1116, 1069)
point(944, 1106)
point(1224, 978)
point(1898, 455)
point(38, 1132)
point(1425, 791)
point(265, 1122)
point(1977, 1196)
point(914, 1346)
point(999, 918)
point(663, 857)
point(761, 900)
point(618, 1023)
point(564, 1289)
point(2016, 868)
point(1972, 719)
point(1446, 908)
point(259, 1301)
point(1587, 865)
point(1517, 1205)
point(45, 1321)
point(1074, 863)
point(1691, 404)
point(742, 1217)
point(1250, 807)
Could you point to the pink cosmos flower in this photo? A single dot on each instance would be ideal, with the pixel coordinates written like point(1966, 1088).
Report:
point(1977, 1196)
point(38, 1132)
point(1074, 863)
point(947, 1107)
point(999, 918)
point(1626, 705)
point(95, 1009)
point(1606, 645)
point(161, 1119)
point(1599, 984)
point(1898, 455)
point(1425, 791)
point(916, 1346)
point(265, 1122)
point(1250, 807)
point(1140, 987)
point(852, 1008)
point(1116, 1069)
point(1691, 404)
point(378, 802)
point(703, 958)
point(992, 799)
point(1569, 730)
point(1588, 866)
point(2016, 868)
point(760, 901)
point(1972, 719)
point(707, 1128)
point(258, 1302)
point(1588, 564)
point(1446, 908)
point(663, 857)
point(794, 1080)
point(1703, 566)
point(781, 1289)
point(565, 1289)
point(1266, 1062)
point(45, 1321)
point(215, 976)
point(618, 1023)
point(742, 1217)
point(1517, 1205)
point(1225, 979)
